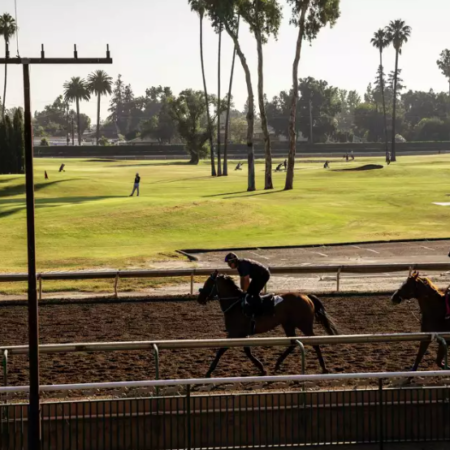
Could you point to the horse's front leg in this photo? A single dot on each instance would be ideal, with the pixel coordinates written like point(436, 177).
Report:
point(422, 349)
point(256, 362)
point(213, 366)
point(440, 356)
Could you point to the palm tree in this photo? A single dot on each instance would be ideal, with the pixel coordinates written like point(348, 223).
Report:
point(380, 41)
point(8, 29)
point(219, 60)
point(76, 90)
point(227, 119)
point(99, 83)
point(198, 6)
point(398, 34)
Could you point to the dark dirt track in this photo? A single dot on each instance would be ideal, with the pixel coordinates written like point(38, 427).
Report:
point(183, 320)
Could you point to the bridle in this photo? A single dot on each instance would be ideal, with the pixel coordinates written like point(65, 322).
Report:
point(215, 293)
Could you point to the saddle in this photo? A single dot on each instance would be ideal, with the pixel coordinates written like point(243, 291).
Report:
point(266, 309)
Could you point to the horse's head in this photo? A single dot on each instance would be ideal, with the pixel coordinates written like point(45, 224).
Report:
point(209, 289)
point(407, 290)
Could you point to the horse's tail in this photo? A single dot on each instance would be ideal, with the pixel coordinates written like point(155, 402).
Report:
point(323, 317)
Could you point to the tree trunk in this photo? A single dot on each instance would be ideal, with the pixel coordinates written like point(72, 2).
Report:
point(6, 79)
point(208, 116)
point(394, 108)
point(219, 57)
point(78, 121)
point(292, 134)
point(250, 112)
point(386, 138)
point(262, 111)
point(194, 159)
point(227, 119)
point(98, 118)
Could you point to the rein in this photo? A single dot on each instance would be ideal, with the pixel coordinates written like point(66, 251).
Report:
point(216, 289)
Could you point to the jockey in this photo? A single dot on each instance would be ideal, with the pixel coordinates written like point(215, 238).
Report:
point(254, 276)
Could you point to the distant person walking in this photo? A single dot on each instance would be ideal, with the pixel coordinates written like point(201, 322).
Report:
point(137, 180)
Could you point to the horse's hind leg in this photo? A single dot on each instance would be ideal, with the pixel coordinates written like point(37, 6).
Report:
point(256, 362)
point(308, 331)
point(440, 356)
point(213, 366)
point(290, 332)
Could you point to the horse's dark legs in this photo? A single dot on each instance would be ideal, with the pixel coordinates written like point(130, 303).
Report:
point(213, 366)
point(321, 361)
point(422, 349)
point(308, 331)
point(290, 331)
point(256, 362)
point(440, 356)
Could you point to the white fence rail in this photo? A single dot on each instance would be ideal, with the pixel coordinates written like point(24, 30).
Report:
point(191, 273)
point(202, 381)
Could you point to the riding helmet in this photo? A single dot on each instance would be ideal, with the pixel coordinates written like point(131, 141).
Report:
point(231, 257)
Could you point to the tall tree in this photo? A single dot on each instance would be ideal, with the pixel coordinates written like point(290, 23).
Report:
point(264, 18)
point(444, 64)
point(227, 118)
point(380, 41)
point(8, 29)
point(199, 7)
point(225, 13)
point(188, 111)
point(99, 83)
point(310, 16)
point(19, 141)
point(398, 34)
point(77, 90)
point(219, 82)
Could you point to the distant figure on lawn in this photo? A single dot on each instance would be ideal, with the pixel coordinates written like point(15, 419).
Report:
point(137, 180)
point(280, 167)
point(61, 169)
point(285, 164)
point(239, 166)
point(352, 156)
point(326, 165)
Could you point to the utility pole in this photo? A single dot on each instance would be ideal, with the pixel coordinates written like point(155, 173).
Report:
point(34, 415)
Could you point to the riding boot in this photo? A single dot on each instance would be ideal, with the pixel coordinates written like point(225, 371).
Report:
point(252, 325)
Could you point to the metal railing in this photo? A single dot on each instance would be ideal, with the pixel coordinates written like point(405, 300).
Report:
point(157, 346)
point(191, 420)
point(116, 275)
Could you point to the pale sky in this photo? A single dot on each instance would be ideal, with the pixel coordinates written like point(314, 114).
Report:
point(156, 42)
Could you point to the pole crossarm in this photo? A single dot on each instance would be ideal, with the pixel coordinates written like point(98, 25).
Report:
point(70, 61)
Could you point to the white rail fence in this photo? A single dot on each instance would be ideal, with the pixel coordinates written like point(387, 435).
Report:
point(156, 346)
point(215, 381)
point(116, 275)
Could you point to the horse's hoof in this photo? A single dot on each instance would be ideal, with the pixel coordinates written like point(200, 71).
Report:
point(208, 375)
point(325, 371)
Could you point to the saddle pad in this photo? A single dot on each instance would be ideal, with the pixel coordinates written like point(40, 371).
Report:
point(277, 299)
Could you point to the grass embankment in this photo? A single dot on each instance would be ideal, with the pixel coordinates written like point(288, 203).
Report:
point(85, 219)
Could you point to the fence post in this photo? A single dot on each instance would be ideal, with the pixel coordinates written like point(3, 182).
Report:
point(302, 351)
point(338, 279)
point(116, 282)
point(188, 417)
point(156, 352)
point(380, 414)
point(443, 342)
point(192, 282)
point(40, 287)
point(5, 371)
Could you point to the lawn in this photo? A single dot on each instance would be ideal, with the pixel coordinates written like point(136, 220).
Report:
point(85, 219)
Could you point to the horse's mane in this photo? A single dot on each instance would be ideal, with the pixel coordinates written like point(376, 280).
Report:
point(427, 282)
point(231, 283)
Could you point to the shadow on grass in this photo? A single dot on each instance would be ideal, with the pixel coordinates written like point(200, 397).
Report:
point(10, 191)
point(253, 194)
point(226, 193)
point(156, 164)
point(11, 179)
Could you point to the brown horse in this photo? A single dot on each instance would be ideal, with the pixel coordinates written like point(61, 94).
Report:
point(293, 311)
point(432, 306)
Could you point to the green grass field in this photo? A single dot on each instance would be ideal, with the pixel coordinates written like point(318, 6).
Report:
point(85, 219)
